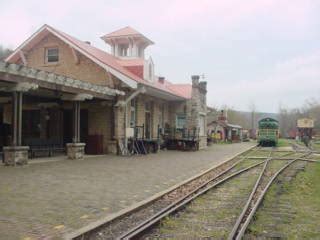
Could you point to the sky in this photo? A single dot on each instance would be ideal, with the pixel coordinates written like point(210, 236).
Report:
point(262, 53)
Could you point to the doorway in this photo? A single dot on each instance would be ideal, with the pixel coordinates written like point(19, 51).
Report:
point(68, 126)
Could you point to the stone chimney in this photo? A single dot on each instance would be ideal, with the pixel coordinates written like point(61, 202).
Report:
point(203, 85)
point(222, 117)
point(161, 80)
point(195, 80)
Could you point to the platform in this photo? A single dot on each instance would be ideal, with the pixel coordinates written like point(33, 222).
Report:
point(50, 198)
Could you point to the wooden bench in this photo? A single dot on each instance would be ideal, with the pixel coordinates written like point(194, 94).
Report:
point(43, 147)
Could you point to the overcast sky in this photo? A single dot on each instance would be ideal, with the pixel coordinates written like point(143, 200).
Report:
point(264, 52)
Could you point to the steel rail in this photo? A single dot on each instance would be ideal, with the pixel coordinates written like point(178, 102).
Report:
point(238, 233)
point(246, 207)
point(299, 158)
point(145, 225)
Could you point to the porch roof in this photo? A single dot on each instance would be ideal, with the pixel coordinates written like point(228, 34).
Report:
point(10, 72)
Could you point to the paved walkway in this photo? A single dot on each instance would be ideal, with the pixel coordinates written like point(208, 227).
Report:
point(46, 200)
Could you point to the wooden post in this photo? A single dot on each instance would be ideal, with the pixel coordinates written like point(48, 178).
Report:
point(76, 122)
point(17, 118)
point(14, 119)
point(19, 113)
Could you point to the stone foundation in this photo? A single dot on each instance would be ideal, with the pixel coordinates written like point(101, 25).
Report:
point(202, 142)
point(112, 147)
point(75, 150)
point(15, 155)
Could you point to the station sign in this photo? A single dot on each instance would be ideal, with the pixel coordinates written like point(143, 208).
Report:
point(305, 123)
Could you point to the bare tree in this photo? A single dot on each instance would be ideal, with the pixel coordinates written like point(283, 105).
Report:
point(4, 52)
point(253, 110)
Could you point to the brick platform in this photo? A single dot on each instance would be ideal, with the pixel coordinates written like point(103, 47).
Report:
point(53, 198)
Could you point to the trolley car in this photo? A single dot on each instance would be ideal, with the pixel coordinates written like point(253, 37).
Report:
point(268, 132)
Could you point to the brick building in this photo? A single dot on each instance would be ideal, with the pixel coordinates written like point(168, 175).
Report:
point(139, 98)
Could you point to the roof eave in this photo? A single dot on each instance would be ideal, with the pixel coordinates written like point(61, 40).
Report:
point(162, 93)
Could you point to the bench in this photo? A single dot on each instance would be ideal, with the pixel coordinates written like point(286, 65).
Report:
point(43, 147)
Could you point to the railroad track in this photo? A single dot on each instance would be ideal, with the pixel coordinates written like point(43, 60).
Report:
point(270, 170)
point(139, 222)
point(139, 230)
point(262, 185)
point(117, 226)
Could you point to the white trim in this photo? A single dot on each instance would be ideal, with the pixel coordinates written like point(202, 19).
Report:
point(132, 96)
point(75, 56)
point(131, 83)
point(23, 58)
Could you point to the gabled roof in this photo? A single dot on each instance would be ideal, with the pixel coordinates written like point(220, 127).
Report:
point(126, 32)
point(102, 58)
point(114, 65)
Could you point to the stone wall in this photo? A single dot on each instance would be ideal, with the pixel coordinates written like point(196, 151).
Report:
point(157, 106)
point(100, 123)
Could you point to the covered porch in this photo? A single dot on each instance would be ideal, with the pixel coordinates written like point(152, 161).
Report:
point(45, 114)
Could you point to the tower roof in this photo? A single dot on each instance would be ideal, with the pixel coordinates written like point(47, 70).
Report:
point(126, 32)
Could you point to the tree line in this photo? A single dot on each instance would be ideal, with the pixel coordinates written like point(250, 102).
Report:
point(288, 117)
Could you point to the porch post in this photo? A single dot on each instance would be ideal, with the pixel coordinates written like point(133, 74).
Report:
point(14, 120)
point(16, 153)
point(75, 150)
point(76, 122)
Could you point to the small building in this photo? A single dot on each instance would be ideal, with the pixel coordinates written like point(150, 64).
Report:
point(57, 90)
point(221, 130)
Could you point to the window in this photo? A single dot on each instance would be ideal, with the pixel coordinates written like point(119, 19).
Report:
point(52, 55)
point(124, 50)
point(133, 113)
point(180, 121)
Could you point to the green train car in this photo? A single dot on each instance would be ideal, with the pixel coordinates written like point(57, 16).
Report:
point(268, 132)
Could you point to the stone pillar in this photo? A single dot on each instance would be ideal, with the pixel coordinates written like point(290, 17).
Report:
point(16, 154)
point(119, 120)
point(197, 108)
point(75, 150)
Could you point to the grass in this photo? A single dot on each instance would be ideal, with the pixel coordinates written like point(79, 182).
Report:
point(316, 145)
point(283, 142)
point(302, 194)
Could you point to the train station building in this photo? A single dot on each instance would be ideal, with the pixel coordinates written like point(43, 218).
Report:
point(60, 94)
